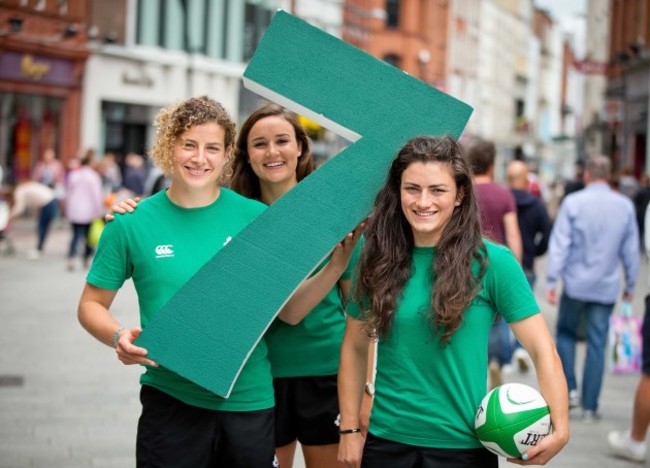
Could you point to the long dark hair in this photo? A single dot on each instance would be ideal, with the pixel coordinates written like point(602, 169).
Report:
point(385, 264)
point(244, 181)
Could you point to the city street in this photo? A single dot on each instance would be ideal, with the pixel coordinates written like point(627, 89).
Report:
point(67, 402)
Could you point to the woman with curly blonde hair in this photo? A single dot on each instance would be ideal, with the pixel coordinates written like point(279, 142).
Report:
point(172, 234)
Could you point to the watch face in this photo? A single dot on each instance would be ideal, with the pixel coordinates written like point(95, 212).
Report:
point(370, 388)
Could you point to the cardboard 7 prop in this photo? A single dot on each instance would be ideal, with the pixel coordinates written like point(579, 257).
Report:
point(209, 328)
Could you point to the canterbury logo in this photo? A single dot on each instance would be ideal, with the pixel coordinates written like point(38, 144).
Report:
point(164, 251)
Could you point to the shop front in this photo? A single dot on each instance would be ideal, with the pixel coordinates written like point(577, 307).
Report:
point(40, 95)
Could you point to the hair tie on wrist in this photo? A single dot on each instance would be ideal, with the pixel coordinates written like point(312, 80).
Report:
point(116, 336)
point(349, 431)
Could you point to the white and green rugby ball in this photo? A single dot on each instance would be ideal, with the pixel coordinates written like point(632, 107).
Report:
point(512, 418)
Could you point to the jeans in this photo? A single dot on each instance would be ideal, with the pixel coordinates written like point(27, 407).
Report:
point(531, 278)
point(597, 326)
point(500, 343)
point(79, 232)
point(45, 218)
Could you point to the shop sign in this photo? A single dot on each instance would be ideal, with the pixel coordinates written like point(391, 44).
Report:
point(591, 67)
point(37, 69)
point(141, 79)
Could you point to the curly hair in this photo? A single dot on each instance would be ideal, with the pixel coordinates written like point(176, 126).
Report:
point(244, 180)
point(172, 121)
point(385, 264)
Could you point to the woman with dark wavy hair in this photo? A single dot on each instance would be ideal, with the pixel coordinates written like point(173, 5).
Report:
point(428, 287)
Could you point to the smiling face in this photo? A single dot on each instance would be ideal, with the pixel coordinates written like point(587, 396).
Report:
point(428, 196)
point(199, 157)
point(273, 151)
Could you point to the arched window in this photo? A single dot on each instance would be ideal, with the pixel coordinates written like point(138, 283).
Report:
point(393, 59)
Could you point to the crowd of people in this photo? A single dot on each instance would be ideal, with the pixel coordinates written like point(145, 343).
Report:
point(403, 328)
point(78, 193)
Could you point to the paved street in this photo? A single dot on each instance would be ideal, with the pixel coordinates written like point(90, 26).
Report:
point(66, 402)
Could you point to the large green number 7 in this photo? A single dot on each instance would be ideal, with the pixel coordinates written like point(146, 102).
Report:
point(208, 329)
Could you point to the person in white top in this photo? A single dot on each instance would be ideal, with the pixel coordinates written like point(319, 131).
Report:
point(631, 444)
point(35, 196)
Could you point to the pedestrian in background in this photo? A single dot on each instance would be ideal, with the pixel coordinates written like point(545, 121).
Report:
point(532, 218)
point(49, 170)
point(183, 424)
point(594, 233)
point(135, 174)
point(422, 240)
point(535, 227)
point(627, 183)
point(631, 444)
point(84, 202)
point(110, 173)
point(39, 197)
point(577, 183)
point(499, 223)
point(641, 200)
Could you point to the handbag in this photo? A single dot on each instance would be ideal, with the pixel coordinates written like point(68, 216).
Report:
point(624, 341)
point(95, 231)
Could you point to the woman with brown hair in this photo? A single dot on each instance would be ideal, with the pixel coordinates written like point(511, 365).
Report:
point(428, 288)
point(273, 153)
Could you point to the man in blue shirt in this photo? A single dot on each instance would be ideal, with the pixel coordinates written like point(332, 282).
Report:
point(595, 231)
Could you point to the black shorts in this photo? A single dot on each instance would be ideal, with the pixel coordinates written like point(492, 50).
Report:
point(645, 333)
point(306, 409)
point(173, 434)
point(383, 453)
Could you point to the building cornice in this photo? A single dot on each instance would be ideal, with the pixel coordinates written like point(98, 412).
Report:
point(167, 58)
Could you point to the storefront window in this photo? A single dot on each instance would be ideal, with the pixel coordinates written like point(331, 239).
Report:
point(28, 125)
point(125, 128)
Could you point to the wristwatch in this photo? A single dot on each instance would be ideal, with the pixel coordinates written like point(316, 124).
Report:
point(370, 388)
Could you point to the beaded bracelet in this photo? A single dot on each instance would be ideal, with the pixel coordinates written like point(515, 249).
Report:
point(116, 336)
point(349, 431)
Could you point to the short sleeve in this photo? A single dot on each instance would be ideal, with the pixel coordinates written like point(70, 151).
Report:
point(110, 267)
point(507, 286)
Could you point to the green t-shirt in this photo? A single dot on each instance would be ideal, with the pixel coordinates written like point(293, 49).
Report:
point(425, 394)
point(312, 347)
point(160, 247)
